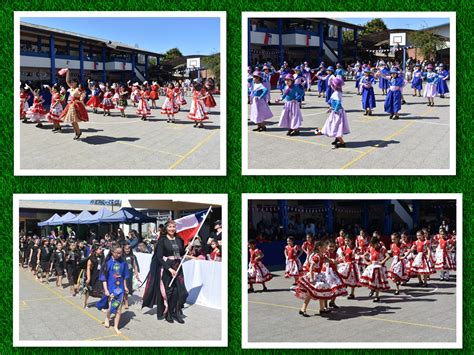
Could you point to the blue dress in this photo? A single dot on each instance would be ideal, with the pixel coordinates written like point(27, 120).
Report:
point(368, 95)
point(357, 78)
point(115, 272)
point(383, 83)
point(441, 85)
point(281, 79)
point(417, 82)
point(329, 89)
point(393, 101)
point(321, 84)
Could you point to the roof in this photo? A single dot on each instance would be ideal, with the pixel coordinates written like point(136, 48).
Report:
point(60, 206)
point(383, 37)
point(340, 23)
point(438, 26)
point(108, 43)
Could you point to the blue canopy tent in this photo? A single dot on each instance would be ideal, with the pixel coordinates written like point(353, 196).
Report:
point(66, 219)
point(46, 223)
point(82, 218)
point(98, 216)
point(129, 215)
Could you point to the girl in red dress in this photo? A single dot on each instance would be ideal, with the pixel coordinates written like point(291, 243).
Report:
point(421, 265)
point(24, 106)
point(257, 273)
point(444, 262)
point(406, 245)
point(340, 240)
point(143, 109)
point(375, 275)
point(348, 267)
point(180, 94)
point(216, 252)
point(122, 101)
point(314, 284)
point(56, 109)
point(397, 272)
point(293, 263)
point(170, 107)
point(75, 111)
point(332, 275)
point(37, 111)
point(210, 88)
point(94, 100)
point(154, 94)
point(197, 112)
point(308, 248)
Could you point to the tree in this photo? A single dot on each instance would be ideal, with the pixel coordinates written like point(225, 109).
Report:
point(213, 63)
point(427, 43)
point(171, 54)
point(348, 36)
point(374, 25)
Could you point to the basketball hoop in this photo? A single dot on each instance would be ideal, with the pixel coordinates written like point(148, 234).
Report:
point(394, 48)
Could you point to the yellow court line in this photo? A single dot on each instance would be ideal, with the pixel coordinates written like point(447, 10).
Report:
point(104, 337)
point(365, 317)
point(42, 299)
point(304, 141)
point(78, 307)
point(193, 149)
point(409, 124)
point(109, 123)
point(138, 146)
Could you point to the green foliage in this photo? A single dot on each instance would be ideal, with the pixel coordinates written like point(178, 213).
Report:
point(171, 54)
point(427, 43)
point(213, 63)
point(374, 25)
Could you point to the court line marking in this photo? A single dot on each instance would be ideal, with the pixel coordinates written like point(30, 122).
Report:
point(103, 337)
point(365, 317)
point(43, 299)
point(136, 146)
point(63, 298)
point(193, 149)
point(265, 134)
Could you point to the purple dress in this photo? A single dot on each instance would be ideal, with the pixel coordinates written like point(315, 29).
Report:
point(259, 110)
point(337, 124)
point(291, 116)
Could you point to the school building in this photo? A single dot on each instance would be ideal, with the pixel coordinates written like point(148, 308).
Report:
point(45, 50)
point(299, 39)
point(383, 215)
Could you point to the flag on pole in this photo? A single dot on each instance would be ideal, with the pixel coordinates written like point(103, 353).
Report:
point(308, 39)
point(268, 38)
point(188, 226)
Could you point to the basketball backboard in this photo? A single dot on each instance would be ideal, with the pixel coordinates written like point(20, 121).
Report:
point(398, 39)
point(193, 63)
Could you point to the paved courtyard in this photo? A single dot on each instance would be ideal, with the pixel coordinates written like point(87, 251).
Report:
point(415, 315)
point(418, 140)
point(125, 143)
point(51, 313)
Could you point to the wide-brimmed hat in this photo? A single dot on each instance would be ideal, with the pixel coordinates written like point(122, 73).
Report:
point(430, 66)
point(331, 68)
point(394, 70)
point(337, 83)
point(367, 70)
point(298, 68)
point(257, 73)
point(265, 67)
point(289, 77)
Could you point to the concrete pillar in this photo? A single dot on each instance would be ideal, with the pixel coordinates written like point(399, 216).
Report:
point(104, 75)
point(81, 62)
point(281, 51)
point(339, 44)
point(365, 215)
point(52, 58)
point(249, 49)
point(321, 42)
point(356, 41)
point(328, 205)
point(146, 67)
point(388, 217)
point(416, 214)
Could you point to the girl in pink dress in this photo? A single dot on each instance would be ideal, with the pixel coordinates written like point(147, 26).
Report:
point(37, 111)
point(143, 109)
point(197, 112)
point(56, 109)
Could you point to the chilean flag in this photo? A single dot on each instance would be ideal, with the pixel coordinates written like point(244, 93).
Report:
point(187, 227)
point(268, 38)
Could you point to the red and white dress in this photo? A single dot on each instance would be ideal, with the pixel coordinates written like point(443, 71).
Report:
point(215, 255)
point(421, 264)
point(209, 102)
point(56, 109)
point(332, 275)
point(315, 283)
point(397, 271)
point(348, 269)
point(308, 248)
point(443, 256)
point(375, 274)
point(361, 244)
point(340, 242)
point(143, 108)
point(94, 101)
point(75, 111)
point(107, 103)
point(257, 273)
point(293, 263)
point(197, 112)
point(154, 92)
point(180, 96)
point(24, 106)
point(170, 107)
point(37, 111)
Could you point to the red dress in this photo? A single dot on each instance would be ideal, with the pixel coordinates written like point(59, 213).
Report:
point(170, 107)
point(215, 254)
point(154, 92)
point(443, 256)
point(308, 248)
point(375, 275)
point(397, 271)
point(293, 264)
point(348, 269)
point(340, 241)
point(257, 273)
point(56, 109)
point(209, 101)
point(37, 111)
point(75, 111)
point(24, 103)
point(197, 111)
point(421, 264)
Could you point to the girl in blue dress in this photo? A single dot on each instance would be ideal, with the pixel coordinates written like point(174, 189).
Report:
point(417, 81)
point(393, 101)
point(321, 80)
point(441, 85)
point(328, 78)
point(291, 117)
point(367, 91)
point(431, 79)
point(358, 76)
point(384, 72)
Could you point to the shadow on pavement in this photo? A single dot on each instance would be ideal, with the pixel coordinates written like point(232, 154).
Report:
point(98, 140)
point(371, 143)
point(355, 311)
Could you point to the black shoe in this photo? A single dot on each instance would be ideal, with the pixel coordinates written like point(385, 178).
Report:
point(370, 113)
point(262, 128)
point(251, 290)
point(255, 129)
point(396, 292)
point(340, 145)
point(25, 120)
point(264, 289)
point(396, 117)
point(403, 102)
point(295, 133)
point(335, 142)
point(169, 318)
point(376, 299)
point(350, 297)
point(365, 113)
point(371, 293)
point(304, 314)
point(178, 318)
point(39, 125)
point(289, 132)
point(77, 136)
point(333, 304)
point(324, 311)
point(391, 116)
